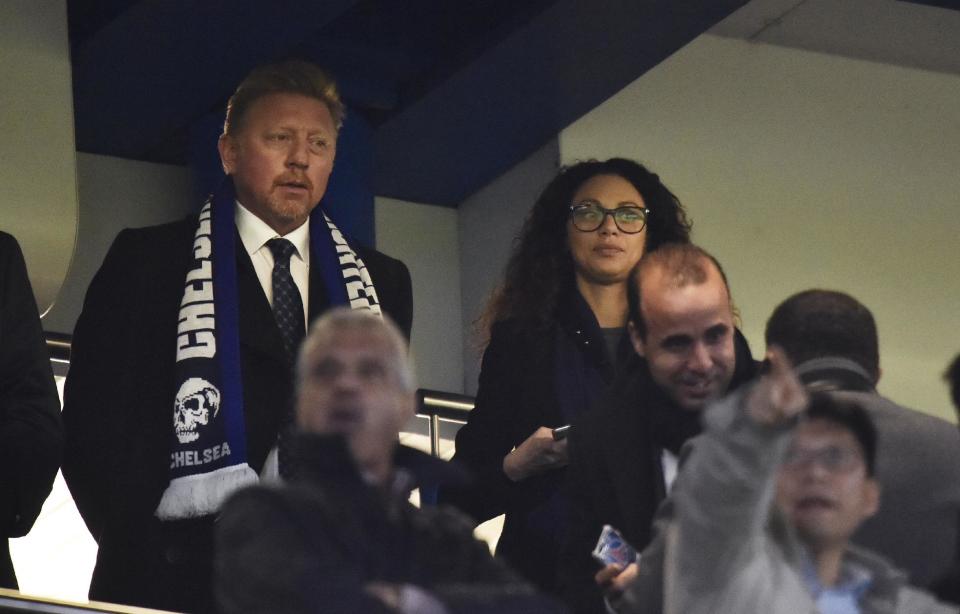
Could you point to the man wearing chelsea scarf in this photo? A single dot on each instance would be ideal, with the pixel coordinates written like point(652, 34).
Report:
point(180, 380)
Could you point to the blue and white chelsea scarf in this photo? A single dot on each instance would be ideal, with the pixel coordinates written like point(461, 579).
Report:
point(208, 458)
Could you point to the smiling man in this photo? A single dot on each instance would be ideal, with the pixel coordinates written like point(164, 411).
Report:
point(766, 506)
point(181, 376)
point(623, 455)
point(684, 326)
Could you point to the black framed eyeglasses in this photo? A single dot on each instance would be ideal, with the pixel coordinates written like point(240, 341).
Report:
point(587, 217)
point(832, 458)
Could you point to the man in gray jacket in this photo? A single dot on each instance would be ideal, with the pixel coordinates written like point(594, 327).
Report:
point(766, 506)
point(832, 340)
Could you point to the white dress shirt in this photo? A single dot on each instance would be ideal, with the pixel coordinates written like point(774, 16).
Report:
point(254, 233)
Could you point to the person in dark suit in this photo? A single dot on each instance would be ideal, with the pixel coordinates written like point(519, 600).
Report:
point(159, 366)
point(556, 338)
point(31, 433)
point(341, 536)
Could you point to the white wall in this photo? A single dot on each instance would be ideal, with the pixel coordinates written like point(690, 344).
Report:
point(425, 238)
point(802, 169)
point(38, 195)
point(489, 220)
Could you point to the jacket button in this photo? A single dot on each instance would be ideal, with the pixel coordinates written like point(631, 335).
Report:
point(172, 554)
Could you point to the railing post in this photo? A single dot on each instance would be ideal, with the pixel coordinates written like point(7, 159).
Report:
point(435, 435)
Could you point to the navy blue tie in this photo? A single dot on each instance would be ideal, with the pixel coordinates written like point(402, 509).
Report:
point(288, 312)
point(287, 304)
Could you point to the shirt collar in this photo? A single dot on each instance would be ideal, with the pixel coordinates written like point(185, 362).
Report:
point(854, 578)
point(254, 233)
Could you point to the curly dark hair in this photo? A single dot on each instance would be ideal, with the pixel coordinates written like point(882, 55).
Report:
point(540, 264)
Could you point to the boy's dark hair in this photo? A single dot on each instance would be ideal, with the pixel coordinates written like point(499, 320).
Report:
point(851, 416)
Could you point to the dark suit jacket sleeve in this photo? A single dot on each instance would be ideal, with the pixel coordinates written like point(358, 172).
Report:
point(404, 299)
point(489, 434)
point(391, 278)
point(515, 396)
point(31, 434)
point(96, 393)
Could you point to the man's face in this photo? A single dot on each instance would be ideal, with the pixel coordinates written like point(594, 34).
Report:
point(350, 386)
point(280, 158)
point(689, 343)
point(823, 488)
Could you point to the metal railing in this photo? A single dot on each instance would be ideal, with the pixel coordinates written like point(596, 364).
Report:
point(436, 405)
point(14, 601)
point(58, 346)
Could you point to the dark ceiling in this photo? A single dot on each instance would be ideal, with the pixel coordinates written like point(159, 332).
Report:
point(457, 92)
point(944, 4)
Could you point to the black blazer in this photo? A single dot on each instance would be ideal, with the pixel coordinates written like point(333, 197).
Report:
point(31, 434)
point(532, 376)
point(118, 412)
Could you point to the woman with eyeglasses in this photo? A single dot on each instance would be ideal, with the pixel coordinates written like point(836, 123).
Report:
point(557, 334)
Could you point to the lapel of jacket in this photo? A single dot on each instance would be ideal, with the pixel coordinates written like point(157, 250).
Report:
point(318, 302)
point(258, 329)
point(629, 457)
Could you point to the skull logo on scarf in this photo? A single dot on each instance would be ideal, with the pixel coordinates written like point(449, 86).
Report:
point(198, 402)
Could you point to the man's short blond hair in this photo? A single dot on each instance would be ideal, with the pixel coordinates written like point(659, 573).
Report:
point(289, 77)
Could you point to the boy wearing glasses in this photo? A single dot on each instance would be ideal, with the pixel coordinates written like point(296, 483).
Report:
point(766, 506)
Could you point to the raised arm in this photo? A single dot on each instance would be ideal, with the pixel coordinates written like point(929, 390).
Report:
point(724, 492)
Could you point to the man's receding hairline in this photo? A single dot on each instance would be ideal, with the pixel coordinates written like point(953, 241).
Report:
point(677, 279)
